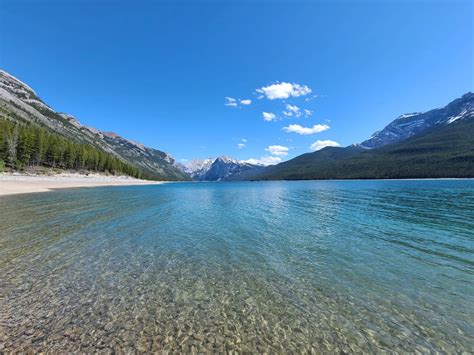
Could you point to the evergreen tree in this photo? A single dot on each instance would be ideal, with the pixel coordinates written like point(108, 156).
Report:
point(26, 145)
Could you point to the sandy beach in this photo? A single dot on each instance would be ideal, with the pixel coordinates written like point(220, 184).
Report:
point(11, 184)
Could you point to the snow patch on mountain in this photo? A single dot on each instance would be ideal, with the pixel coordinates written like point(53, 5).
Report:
point(216, 169)
point(226, 168)
point(197, 165)
point(411, 124)
point(408, 115)
point(462, 115)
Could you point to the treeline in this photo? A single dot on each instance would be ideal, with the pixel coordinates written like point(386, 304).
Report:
point(23, 146)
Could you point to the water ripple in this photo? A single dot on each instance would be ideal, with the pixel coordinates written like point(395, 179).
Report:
point(353, 266)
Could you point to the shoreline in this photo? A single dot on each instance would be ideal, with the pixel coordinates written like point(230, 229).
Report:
point(17, 183)
point(14, 183)
point(388, 179)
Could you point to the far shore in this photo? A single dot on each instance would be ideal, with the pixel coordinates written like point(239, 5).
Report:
point(15, 183)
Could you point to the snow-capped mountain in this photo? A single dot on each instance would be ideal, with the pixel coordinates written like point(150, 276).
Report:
point(410, 124)
point(19, 102)
point(225, 168)
point(218, 169)
point(197, 167)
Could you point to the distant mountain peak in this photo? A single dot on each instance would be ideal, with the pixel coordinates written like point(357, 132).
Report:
point(217, 169)
point(227, 160)
point(226, 168)
point(197, 167)
point(411, 124)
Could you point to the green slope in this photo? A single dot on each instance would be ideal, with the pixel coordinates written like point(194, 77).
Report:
point(442, 152)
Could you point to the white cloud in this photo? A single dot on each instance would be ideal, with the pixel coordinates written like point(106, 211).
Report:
point(230, 101)
point(292, 110)
point(244, 140)
point(296, 128)
point(283, 90)
point(307, 112)
point(241, 145)
point(265, 160)
point(268, 116)
point(277, 150)
point(321, 144)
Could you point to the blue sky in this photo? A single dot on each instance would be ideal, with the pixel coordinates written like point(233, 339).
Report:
point(159, 72)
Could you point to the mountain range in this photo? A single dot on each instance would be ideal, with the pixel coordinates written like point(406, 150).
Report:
point(221, 169)
point(411, 124)
point(20, 103)
point(436, 143)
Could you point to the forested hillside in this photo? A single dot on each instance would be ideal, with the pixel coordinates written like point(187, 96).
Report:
point(21, 105)
point(444, 152)
point(23, 146)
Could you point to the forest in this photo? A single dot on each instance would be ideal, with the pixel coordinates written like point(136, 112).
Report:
point(23, 146)
point(446, 151)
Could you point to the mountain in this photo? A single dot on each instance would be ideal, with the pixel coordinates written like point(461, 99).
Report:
point(20, 103)
point(323, 164)
point(197, 168)
point(444, 148)
point(148, 159)
point(225, 168)
point(220, 169)
point(411, 124)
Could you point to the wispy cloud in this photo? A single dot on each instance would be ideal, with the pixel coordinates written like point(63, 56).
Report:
point(311, 98)
point(304, 131)
point(283, 90)
point(307, 112)
point(242, 143)
point(230, 101)
point(277, 150)
point(265, 160)
point(322, 144)
point(269, 116)
point(292, 110)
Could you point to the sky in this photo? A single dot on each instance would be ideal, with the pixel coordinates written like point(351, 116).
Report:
point(262, 81)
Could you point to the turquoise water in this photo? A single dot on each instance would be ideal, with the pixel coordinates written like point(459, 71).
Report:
point(323, 266)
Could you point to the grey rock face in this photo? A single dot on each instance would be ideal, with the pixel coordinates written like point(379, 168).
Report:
point(19, 102)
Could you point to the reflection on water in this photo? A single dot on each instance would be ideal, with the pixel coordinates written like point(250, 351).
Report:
point(304, 266)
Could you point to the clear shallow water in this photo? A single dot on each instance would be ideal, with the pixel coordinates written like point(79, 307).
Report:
point(268, 266)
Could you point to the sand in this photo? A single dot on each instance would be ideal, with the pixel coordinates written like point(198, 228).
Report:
point(11, 184)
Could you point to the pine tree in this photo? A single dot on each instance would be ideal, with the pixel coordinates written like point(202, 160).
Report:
point(27, 145)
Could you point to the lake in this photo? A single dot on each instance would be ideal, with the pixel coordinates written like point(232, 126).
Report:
point(322, 266)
